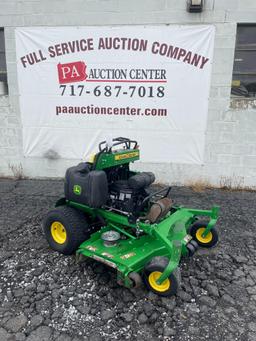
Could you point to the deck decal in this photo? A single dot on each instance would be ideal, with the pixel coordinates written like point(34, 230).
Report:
point(128, 255)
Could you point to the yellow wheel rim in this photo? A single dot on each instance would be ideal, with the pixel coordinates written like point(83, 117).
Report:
point(153, 277)
point(205, 240)
point(58, 232)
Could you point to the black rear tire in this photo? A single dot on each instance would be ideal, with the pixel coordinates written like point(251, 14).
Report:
point(74, 229)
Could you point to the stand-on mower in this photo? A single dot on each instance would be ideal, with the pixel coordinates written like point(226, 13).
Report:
point(110, 214)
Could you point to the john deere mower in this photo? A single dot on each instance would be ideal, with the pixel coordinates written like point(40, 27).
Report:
point(111, 214)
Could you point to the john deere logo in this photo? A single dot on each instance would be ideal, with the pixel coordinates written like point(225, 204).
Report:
point(77, 189)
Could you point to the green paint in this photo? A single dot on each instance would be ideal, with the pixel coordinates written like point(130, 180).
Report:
point(167, 238)
point(106, 160)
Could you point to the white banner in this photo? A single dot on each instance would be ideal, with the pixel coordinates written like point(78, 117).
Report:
point(80, 85)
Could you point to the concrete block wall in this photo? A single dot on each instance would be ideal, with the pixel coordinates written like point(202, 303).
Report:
point(230, 152)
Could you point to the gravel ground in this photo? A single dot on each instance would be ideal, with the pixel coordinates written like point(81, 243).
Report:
point(47, 296)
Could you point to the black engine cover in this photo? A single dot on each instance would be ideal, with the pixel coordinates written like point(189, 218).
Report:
point(125, 198)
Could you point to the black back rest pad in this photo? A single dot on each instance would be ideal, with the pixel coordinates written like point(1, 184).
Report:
point(141, 180)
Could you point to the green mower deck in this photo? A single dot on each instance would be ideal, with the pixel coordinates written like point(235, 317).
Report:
point(167, 238)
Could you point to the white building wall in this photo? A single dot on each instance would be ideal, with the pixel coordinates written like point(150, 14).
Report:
point(230, 151)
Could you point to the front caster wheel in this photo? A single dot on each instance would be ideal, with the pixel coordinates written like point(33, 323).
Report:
point(210, 240)
point(153, 270)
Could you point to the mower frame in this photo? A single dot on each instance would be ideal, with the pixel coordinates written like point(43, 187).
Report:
point(167, 238)
point(145, 246)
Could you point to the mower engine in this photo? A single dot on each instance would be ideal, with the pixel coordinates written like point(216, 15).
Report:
point(109, 182)
point(125, 198)
point(128, 195)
